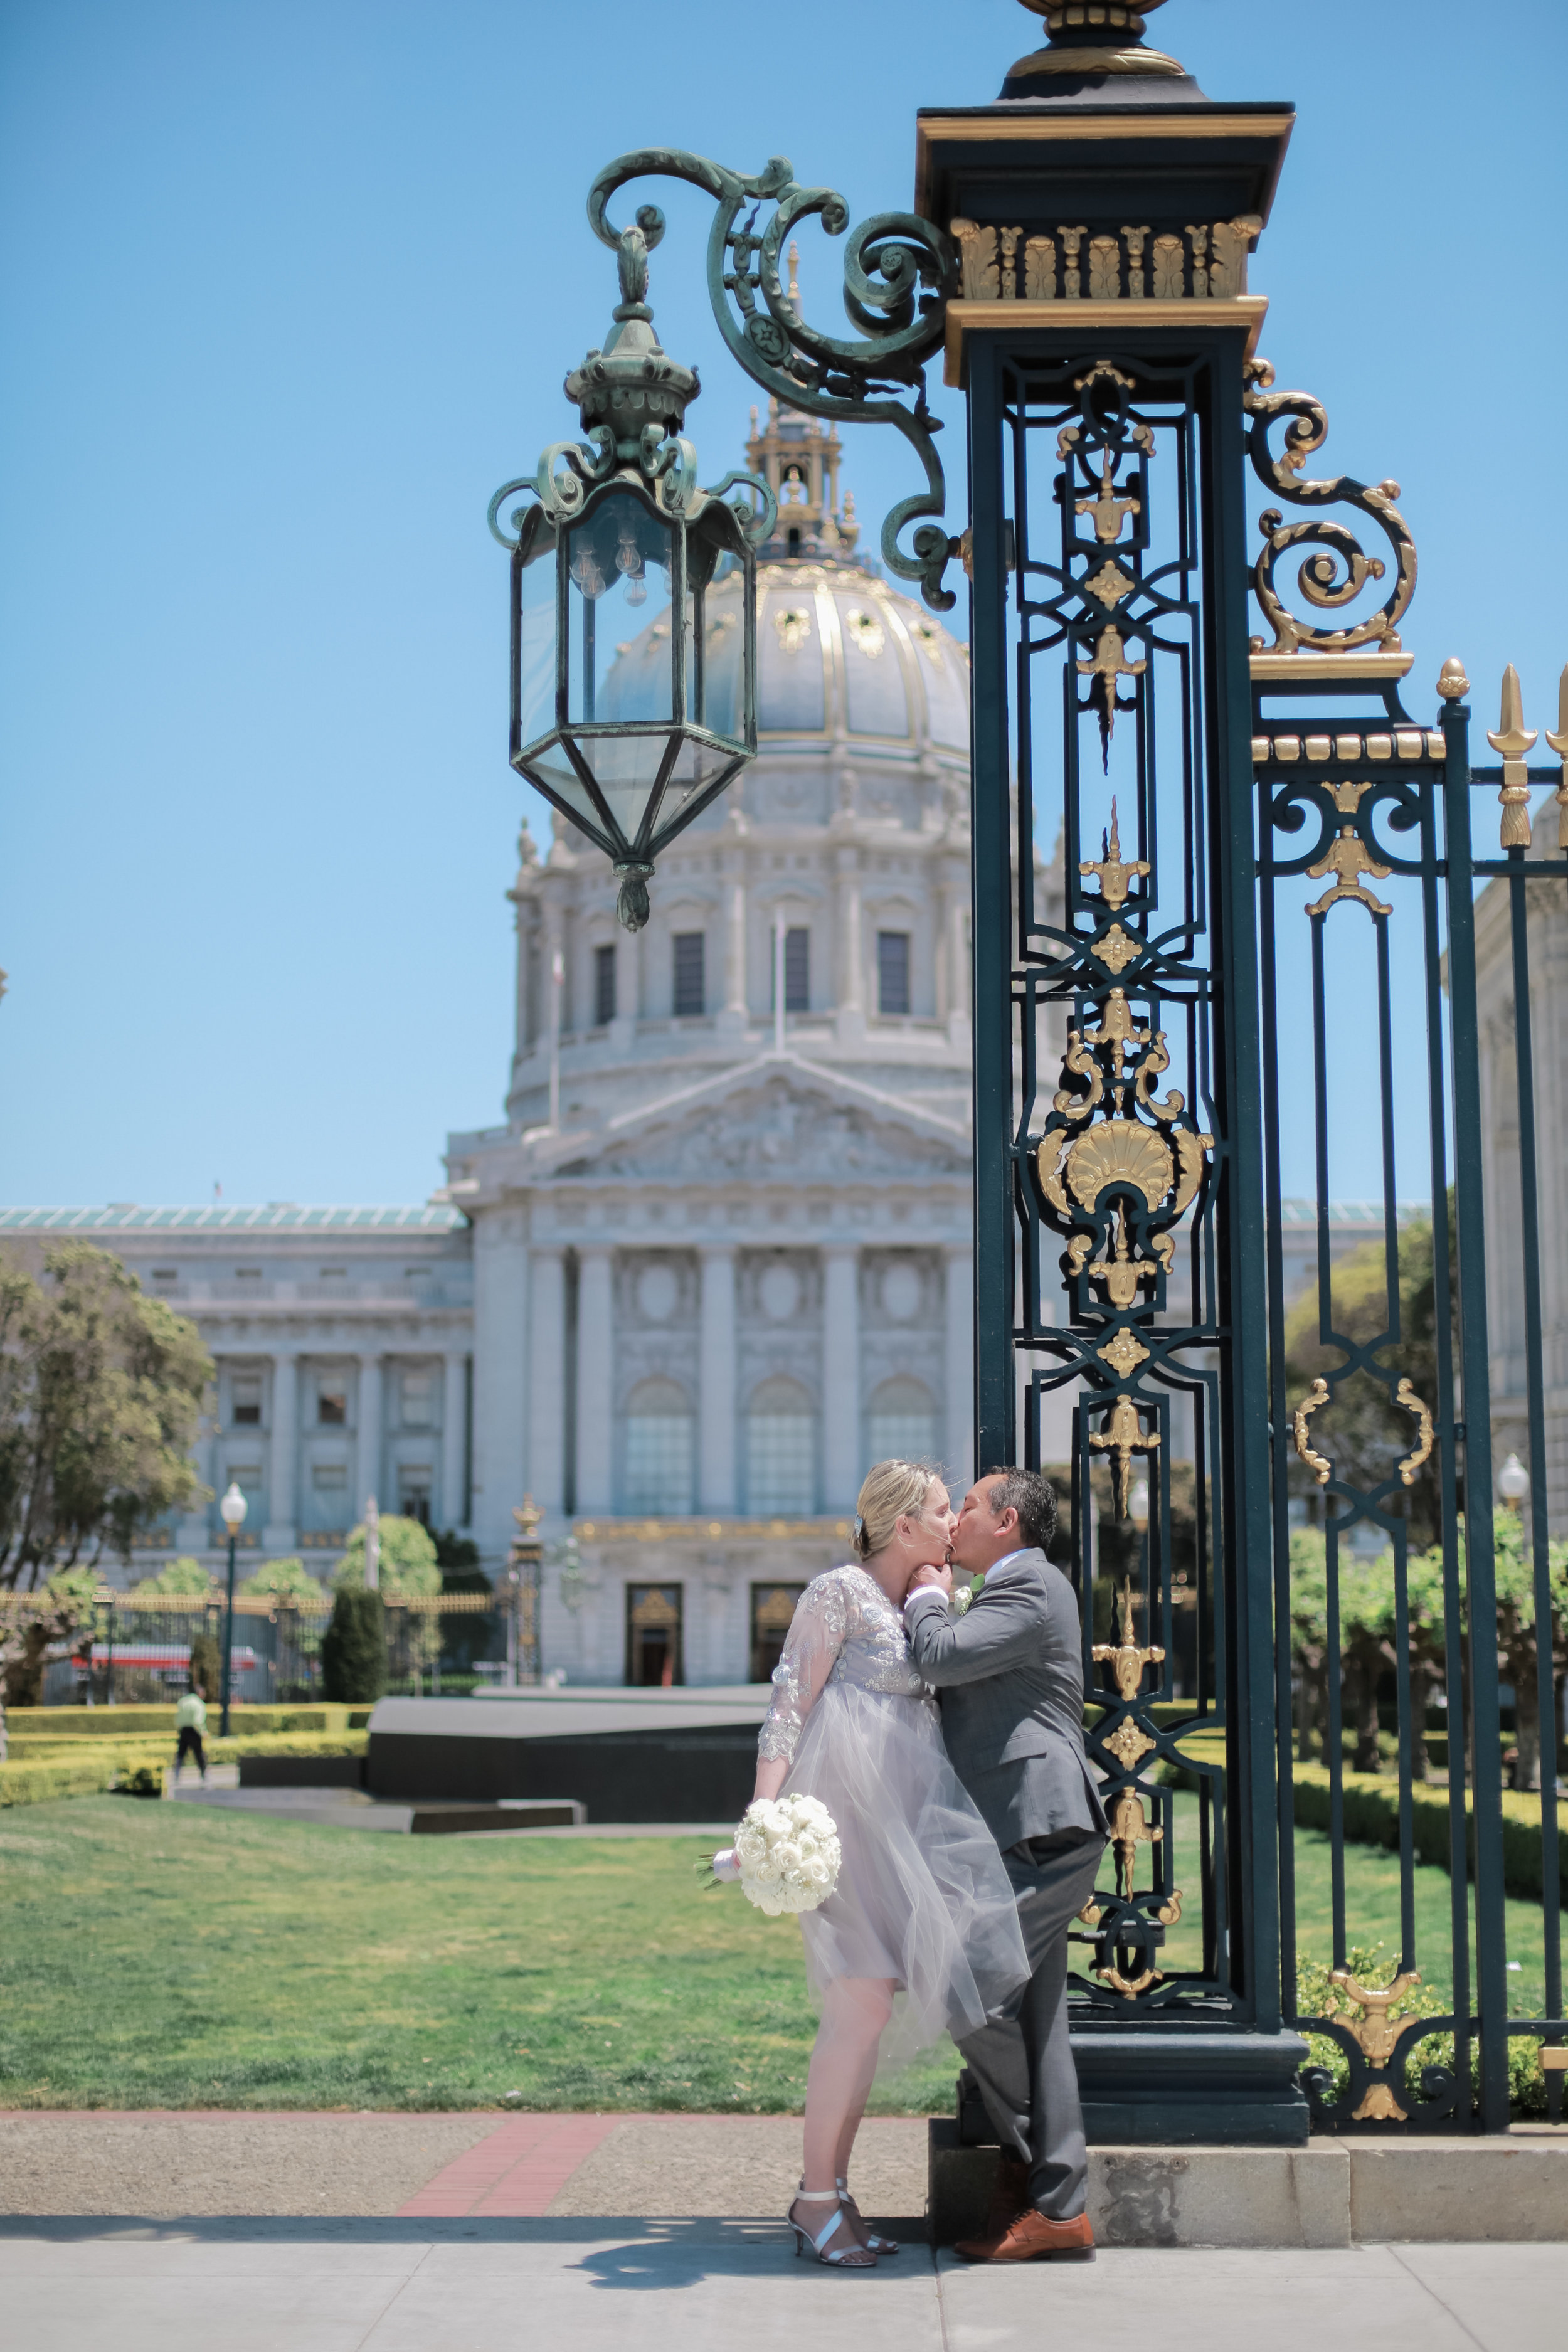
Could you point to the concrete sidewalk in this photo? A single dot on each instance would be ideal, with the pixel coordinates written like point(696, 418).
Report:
point(707, 2285)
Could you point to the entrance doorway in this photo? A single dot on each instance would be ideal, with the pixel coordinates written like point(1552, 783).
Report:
point(773, 1607)
point(654, 1659)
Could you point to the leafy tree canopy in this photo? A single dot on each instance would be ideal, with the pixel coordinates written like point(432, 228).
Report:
point(182, 1575)
point(100, 1392)
point(409, 1562)
point(1362, 1430)
point(286, 1580)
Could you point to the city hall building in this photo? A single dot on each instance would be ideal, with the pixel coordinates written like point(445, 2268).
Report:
point(684, 1313)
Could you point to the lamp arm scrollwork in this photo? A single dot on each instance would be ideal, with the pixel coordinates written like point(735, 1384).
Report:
point(888, 260)
point(1320, 580)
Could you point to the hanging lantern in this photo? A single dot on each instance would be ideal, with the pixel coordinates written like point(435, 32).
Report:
point(630, 585)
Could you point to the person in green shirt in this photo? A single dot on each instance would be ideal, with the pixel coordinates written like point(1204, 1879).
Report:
point(191, 1722)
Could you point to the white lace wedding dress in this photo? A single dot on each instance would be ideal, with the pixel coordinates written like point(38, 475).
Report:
point(922, 1896)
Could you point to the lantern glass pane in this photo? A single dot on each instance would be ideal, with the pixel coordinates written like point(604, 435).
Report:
point(618, 562)
point(536, 692)
point(715, 686)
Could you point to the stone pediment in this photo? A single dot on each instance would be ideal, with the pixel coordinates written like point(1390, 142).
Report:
point(775, 1125)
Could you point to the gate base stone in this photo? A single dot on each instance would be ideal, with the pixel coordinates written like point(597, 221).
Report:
point(1331, 2193)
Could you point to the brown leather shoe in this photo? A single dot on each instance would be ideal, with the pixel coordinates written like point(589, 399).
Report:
point(1009, 2195)
point(1029, 2237)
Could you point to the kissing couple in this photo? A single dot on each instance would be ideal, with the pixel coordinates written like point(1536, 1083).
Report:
point(947, 1744)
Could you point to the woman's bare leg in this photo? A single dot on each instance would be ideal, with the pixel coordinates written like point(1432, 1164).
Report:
point(838, 2083)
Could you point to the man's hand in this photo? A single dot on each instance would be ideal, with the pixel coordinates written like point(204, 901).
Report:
point(931, 1580)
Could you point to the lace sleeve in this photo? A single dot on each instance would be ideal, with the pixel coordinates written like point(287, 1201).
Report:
point(815, 1636)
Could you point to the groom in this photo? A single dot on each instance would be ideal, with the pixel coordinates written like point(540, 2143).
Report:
point(1009, 1673)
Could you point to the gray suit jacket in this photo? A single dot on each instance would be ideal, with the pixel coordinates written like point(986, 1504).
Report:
point(1009, 1674)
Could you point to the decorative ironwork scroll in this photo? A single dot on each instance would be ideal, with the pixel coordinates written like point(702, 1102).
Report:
point(888, 260)
point(1336, 575)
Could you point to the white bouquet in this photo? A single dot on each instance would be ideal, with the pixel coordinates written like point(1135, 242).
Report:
point(786, 1854)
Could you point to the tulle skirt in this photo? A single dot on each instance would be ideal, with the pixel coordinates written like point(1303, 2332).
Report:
point(923, 1896)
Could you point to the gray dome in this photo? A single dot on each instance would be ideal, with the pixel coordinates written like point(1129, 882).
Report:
point(838, 652)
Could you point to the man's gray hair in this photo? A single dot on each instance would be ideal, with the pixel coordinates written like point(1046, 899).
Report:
point(1029, 1493)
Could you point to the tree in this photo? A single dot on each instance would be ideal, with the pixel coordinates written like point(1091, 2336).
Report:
point(408, 1564)
point(354, 1647)
point(184, 1575)
point(1368, 1649)
point(287, 1581)
point(206, 1665)
point(1516, 1636)
point(101, 1392)
point(29, 1625)
point(1363, 1431)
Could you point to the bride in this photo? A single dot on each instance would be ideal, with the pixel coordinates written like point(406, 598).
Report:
point(922, 1927)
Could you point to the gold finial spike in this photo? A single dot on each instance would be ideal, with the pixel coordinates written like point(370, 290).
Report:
point(1452, 683)
point(1513, 739)
point(1113, 875)
point(1559, 743)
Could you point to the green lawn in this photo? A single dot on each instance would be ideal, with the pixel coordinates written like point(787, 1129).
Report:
point(161, 1955)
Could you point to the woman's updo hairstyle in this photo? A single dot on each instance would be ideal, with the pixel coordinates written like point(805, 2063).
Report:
point(892, 1491)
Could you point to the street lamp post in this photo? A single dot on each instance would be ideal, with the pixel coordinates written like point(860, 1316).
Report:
point(231, 1510)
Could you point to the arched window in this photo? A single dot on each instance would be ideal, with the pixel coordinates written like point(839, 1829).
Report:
point(781, 1450)
point(658, 1456)
point(901, 1423)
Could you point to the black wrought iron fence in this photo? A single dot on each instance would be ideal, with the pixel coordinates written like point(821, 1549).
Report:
point(1419, 1634)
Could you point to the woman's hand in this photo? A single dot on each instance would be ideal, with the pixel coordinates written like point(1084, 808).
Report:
point(933, 1580)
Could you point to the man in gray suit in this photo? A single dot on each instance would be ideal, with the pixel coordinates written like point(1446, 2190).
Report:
point(1009, 1674)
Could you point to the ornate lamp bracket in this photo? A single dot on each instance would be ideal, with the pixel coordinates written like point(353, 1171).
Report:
point(889, 259)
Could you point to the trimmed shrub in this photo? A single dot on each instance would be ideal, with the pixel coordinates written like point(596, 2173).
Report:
point(147, 1722)
point(354, 1647)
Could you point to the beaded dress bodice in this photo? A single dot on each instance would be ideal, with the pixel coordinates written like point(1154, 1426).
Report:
point(844, 1630)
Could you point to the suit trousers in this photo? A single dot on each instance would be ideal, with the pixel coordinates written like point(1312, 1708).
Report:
point(1023, 2064)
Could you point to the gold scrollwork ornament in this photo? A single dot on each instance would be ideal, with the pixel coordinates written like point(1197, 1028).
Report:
point(1125, 1658)
point(1375, 2035)
point(1321, 1467)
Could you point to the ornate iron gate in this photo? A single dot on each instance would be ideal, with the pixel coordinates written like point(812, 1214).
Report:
point(1162, 1031)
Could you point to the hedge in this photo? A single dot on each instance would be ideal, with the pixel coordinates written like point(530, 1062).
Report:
point(38, 1779)
point(116, 1722)
point(1372, 1818)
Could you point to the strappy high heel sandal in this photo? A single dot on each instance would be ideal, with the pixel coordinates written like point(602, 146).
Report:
point(853, 2257)
point(876, 2245)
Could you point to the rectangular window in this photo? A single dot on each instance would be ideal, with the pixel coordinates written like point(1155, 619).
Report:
point(691, 992)
point(893, 971)
point(330, 1478)
point(334, 1273)
point(248, 1277)
point(331, 1406)
point(780, 1465)
point(418, 1395)
point(797, 970)
point(165, 1278)
point(244, 1397)
point(414, 1492)
point(659, 1465)
point(604, 987)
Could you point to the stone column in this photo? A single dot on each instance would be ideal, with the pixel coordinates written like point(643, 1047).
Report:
point(851, 1010)
point(546, 1469)
point(595, 1356)
point(280, 1534)
point(499, 1470)
point(959, 1359)
point(840, 1378)
point(454, 1432)
point(719, 1586)
point(716, 1418)
point(370, 1434)
point(956, 924)
point(733, 1016)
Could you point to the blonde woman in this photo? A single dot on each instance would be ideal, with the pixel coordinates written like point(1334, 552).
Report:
point(922, 1927)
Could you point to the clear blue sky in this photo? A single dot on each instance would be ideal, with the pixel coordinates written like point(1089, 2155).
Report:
point(288, 286)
